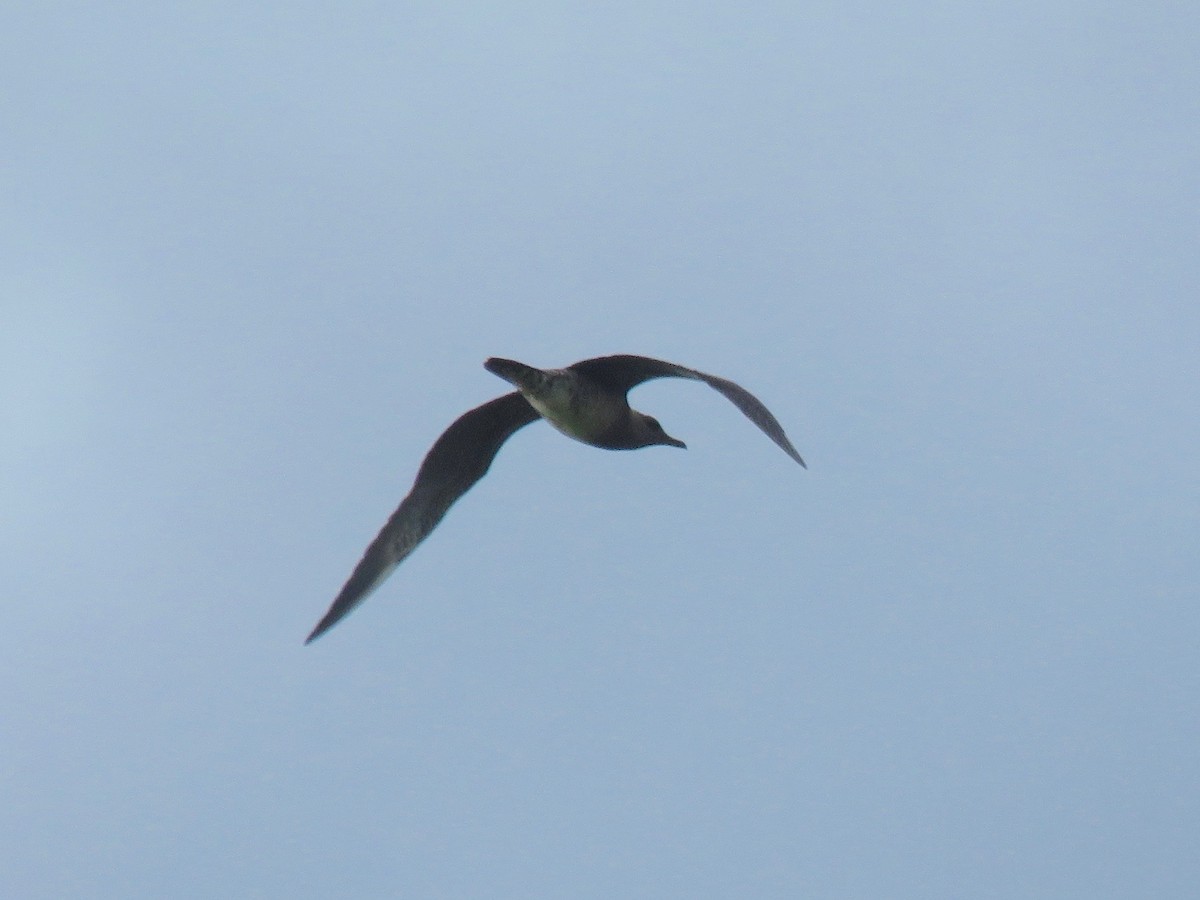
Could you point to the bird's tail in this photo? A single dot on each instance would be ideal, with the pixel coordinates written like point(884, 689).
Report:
point(523, 377)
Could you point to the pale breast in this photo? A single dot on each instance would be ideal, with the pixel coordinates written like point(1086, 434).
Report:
point(577, 413)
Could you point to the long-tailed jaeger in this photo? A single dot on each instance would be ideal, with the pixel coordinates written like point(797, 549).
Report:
point(585, 401)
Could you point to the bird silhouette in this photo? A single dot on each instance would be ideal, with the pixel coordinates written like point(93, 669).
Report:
point(585, 401)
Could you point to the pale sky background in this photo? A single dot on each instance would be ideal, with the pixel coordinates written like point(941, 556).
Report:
point(254, 256)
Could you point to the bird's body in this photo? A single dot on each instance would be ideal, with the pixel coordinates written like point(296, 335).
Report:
point(585, 401)
point(580, 406)
point(562, 398)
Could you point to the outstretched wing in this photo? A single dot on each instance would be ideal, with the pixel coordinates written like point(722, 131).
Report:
point(620, 373)
point(457, 460)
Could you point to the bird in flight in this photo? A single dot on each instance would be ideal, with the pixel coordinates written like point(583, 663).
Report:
point(585, 401)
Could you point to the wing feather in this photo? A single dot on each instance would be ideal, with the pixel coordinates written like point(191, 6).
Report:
point(458, 459)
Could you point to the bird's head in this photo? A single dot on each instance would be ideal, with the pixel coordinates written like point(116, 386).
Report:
point(651, 433)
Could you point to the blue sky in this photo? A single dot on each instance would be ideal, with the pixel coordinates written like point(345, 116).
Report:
point(254, 259)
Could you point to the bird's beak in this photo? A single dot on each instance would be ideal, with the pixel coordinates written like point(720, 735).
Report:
point(672, 442)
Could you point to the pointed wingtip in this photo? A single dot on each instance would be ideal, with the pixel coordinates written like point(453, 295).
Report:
point(323, 626)
point(790, 450)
